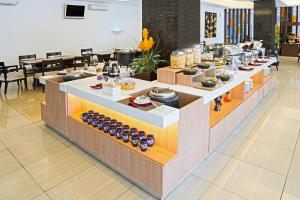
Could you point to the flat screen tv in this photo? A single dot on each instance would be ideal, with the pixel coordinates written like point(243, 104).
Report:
point(74, 11)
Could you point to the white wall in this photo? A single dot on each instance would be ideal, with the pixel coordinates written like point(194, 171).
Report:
point(205, 7)
point(38, 26)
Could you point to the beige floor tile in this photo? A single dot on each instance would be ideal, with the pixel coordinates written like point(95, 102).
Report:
point(53, 133)
point(21, 135)
point(291, 190)
point(7, 111)
point(280, 132)
point(230, 145)
point(18, 186)
point(89, 184)
point(298, 146)
point(217, 193)
point(13, 122)
point(295, 168)
point(8, 163)
point(286, 112)
point(44, 196)
point(2, 147)
point(191, 188)
point(36, 149)
point(54, 169)
point(265, 156)
point(130, 195)
point(142, 193)
point(250, 181)
point(212, 167)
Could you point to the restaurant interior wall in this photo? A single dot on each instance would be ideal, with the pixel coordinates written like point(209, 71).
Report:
point(205, 7)
point(39, 27)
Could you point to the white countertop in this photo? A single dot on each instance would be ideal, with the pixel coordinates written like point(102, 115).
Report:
point(163, 116)
point(208, 96)
point(158, 117)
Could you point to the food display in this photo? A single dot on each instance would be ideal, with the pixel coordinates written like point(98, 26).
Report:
point(210, 83)
point(227, 97)
point(189, 57)
point(197, 53)
point(178, 60)
point(165, 96)
point(116, 129)
point(127, 84)
point(223, 77)
point(190, 71)
point(204, 65)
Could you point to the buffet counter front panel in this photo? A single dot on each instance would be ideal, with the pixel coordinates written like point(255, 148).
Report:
point(181, 144)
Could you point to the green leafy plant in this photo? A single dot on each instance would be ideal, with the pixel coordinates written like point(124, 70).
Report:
point(150, 58)
point(148, 62)
point(277, 37)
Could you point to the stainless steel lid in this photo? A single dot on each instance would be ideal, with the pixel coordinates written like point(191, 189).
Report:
point(162, 93)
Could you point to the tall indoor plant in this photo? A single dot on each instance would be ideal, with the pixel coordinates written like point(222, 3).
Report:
point(145, 66)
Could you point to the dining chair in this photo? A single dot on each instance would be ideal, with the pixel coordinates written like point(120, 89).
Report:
point(104, 57)
point(9, 74)
point(80, 61)
point(85, 52)
point(49, 67)
point(29, 68)
point(53, 54)
point(89, 52)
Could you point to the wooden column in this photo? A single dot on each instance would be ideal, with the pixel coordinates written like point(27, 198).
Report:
point(264, 22)
point(175, 23)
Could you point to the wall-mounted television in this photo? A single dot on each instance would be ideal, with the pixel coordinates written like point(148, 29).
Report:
point(74, 11)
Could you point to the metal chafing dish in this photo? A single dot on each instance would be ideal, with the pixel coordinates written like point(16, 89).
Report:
point(165, 96)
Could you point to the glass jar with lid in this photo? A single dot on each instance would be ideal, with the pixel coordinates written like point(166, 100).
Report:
point(197, 53)
point(178, 60)
point(189, 57)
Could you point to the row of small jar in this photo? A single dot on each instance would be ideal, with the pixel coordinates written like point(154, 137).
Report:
point(181, 59)
point(118, 130)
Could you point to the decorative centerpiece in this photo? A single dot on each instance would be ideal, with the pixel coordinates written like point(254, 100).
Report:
point(146, 65)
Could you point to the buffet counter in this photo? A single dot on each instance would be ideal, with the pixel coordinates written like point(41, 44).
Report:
point(184, 136)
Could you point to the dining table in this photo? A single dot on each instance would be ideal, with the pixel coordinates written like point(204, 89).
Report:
point(39, 61)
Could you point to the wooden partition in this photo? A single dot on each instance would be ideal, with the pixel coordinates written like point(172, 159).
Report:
point(54, 109)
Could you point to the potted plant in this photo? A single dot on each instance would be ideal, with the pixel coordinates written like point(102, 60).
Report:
point(145, 66)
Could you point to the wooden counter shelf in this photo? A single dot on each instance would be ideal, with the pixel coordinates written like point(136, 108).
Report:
point(155, 153)
point(226, 108)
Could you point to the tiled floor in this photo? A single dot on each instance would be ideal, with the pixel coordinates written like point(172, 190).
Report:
point(260, 160)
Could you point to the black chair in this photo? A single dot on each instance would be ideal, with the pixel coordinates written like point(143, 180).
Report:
point(53, 54)
point(125, 58)
point(9, 74)
point(89, 52)
point(80, 61)
point(29, 68)
point(49, 67)
point(272, 53)
point(104, 57)
point(85, 52)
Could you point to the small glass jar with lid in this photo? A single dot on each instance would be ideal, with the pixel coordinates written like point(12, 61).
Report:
point(189, 57)
point(178, 60)
point(197, 53)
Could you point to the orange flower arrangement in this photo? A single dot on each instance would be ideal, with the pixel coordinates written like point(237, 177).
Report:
point(150, 58)
point(147, 42)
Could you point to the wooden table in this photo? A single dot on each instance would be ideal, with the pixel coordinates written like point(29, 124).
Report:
point(39, 61)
